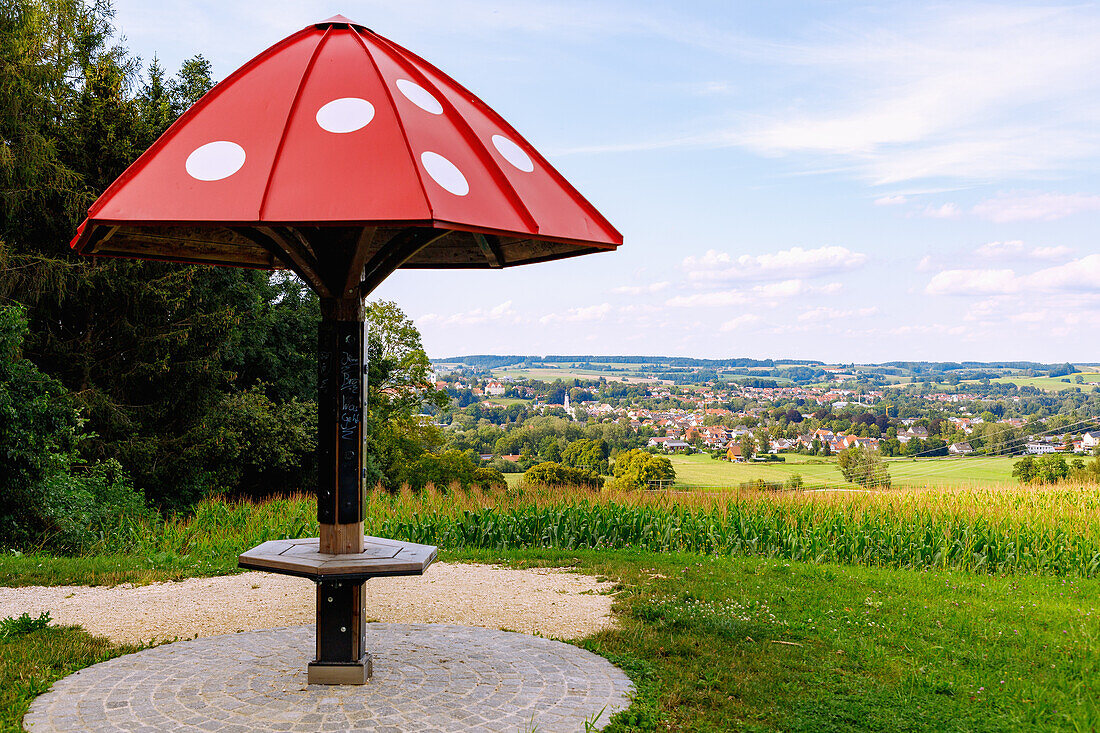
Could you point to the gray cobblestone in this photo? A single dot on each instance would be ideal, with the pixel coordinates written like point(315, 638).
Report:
point(426, 677)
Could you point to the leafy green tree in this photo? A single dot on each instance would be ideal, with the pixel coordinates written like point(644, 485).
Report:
point(748, 446)
point(48, 497)
point(1051, 468)
point(549, 473)
point(256, 447)
point(150, 351)
point(1025, 469)
point(398, 384)
point(637, 469)
point(860, 465)
point(590, 454)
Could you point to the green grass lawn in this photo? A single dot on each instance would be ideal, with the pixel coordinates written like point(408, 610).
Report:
point(702, 471)
point(720, 643)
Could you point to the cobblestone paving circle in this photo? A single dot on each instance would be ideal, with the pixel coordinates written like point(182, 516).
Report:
point(427, 677)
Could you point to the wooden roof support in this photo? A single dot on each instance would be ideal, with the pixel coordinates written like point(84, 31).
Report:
point(395, 253)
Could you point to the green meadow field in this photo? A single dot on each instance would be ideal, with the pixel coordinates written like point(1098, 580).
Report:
point(1053, 384)
point(700, 471)
point(509, 401)
point(703, 472)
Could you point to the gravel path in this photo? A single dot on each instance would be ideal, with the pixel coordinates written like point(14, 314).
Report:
point(549, 602)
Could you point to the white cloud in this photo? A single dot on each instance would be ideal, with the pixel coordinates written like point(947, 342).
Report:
point(758, 293)
point(577, 315)
point(1051, 253)
point(890, 200)
point(972, 282)
point(735, 323)
point(1081, 276)
point(717, 267)
point(992, 250)
point(926, 263)
point(1035, 207)
point(1016, 249)
point(945, 211)
point(782, 289)
point(640, 289)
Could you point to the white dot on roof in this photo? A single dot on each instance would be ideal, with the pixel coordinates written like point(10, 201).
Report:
point(346, 114)
point(215, 161)
point(445, 173)
point(513, 153)
point(419, 96)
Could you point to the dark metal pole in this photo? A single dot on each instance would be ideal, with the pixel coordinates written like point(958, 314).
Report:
point(341, 656)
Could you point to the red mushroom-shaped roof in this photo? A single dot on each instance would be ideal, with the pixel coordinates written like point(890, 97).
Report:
point(338, 126)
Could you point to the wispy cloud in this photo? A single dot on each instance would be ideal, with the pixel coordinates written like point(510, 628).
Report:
point(961, 91)
point(890, 200)
point(477, 316)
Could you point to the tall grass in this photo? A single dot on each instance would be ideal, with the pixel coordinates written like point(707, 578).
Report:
point(1004, 530)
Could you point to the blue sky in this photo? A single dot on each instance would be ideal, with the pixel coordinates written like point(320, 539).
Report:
point(841, 181)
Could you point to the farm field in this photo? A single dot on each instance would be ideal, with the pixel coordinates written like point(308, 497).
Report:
point(702, 471)
point(1053, 384)
point(548, 374)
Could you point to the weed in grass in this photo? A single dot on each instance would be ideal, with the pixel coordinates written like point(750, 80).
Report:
point(23, 624)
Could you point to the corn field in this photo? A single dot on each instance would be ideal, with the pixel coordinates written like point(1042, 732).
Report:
point(1008, 530)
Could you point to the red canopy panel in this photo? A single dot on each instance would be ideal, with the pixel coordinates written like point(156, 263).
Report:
point(336, 126)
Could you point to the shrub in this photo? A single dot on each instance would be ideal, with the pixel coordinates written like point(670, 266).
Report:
point(505, 466)
point(760, 484)
point(794, 483)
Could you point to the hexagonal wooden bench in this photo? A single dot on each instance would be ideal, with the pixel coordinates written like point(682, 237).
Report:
point(301, 557)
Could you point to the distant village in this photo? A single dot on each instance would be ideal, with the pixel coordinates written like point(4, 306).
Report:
point(702, 423)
